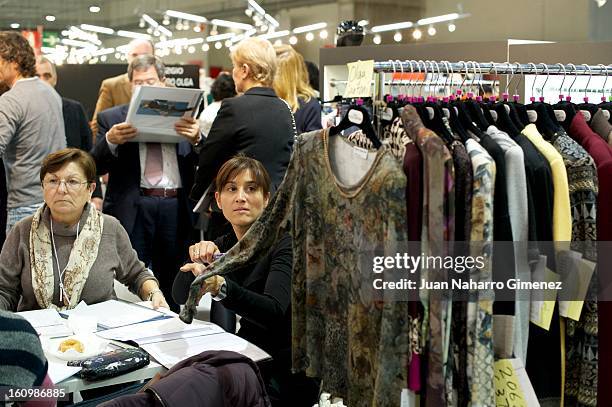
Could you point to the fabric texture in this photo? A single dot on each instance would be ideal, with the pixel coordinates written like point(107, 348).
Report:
point(601, 126)
point(308, 116)
point(82, 257)
point(333, 224)
point(31, 127)
point(208, 116)
point(76, 127)
point(113, 92)
point(115, 260)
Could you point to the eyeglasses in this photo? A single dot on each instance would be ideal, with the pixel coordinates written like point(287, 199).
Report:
point(149, 82)
point(70, 184)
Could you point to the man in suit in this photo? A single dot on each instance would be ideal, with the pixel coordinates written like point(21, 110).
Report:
point(148, 182)
point(117, 90)
point(78, 133)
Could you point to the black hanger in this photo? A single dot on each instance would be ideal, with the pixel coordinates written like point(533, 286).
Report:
point(362, 121)
point(453, 120)
point(466, 119)
point(504, 122)
point(546, 120)
point(476, 113)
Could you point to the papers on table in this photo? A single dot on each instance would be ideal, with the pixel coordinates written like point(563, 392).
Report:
point(59, 371)
point(160, 330)
point(42, 317)
point(113, 313)
point(154, 111)
point(169, 353)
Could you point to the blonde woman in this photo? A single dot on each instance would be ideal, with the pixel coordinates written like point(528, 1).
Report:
point(291, 84)
point(256, 123)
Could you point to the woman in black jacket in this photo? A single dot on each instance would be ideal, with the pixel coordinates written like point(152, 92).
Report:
point(260, 293)
point(256, 123)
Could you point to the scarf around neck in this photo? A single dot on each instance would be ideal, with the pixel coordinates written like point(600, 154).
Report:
point(82, 256)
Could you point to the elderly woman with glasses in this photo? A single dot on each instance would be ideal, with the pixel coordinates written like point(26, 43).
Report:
point(68, 252)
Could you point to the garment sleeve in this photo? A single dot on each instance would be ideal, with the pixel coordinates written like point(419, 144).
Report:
point(105, 101)
point(101, 152)
point(312, 116)
point(267, 308)
point(132, 272)
point(10, 117)
point(217, 148)
point(11, 267)
point(261, 236)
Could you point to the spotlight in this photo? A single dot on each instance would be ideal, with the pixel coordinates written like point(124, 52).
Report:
point(141, 23)
point(377, 39)
point(309, 36)
point(278, 42)
point(248, 12)
point(197, 28)
point(228, 43)
point(94, 9)
point(452, 27)
point(323, 34)
point(432, 31)
point(205, 47)
point(417, 34)
point(178, 50)
point(191, 49)
point(166, 20)
point(117, 55)
point(218, 45)
point(50, 18)
point(293, 40)
point(103, 58)
point(15, 25)
point(263, 28)
point(397, 37)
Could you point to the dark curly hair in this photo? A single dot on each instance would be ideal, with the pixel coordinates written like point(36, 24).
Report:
point(15, 48)
point(223, 87)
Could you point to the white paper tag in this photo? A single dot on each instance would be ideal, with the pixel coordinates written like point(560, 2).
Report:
point(408, 398)
point(430, 112)
point(507, 109)
point(576, 283)
point(586, 114)
point(606, 114)
point(355, 116)
point(360, 152)
point(387, 114)
point(493, 115)
point(532, 115)
point(446, 112)
point(560, 115)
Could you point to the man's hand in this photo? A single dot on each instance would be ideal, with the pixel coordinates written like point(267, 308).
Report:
point(158, 300)
point(203, 252)
point(121, 133)
point(97, 203)
point(189, 128)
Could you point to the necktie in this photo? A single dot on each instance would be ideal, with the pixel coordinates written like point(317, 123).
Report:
point(154, 163)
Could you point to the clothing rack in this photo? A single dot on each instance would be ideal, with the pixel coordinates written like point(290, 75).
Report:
point(501, 68)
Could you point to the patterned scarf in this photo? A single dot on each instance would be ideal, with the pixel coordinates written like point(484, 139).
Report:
point(82, 256)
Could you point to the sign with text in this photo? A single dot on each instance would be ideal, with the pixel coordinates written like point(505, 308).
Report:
point(359, 79)
point(183, 76)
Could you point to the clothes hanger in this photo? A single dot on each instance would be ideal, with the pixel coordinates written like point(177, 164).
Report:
point(461, 110)
point(504, 122)
point(432, 117)
point(605, 105)
point(486, 107)
point(508, 106)
point(521, 110)
point(587, 109)
point(474, 106)
point(565, 111)
point(449, 111)
point(540, 112)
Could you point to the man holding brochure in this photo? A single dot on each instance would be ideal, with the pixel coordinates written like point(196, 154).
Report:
point(148, 181)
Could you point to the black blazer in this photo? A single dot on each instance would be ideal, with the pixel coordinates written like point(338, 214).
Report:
point(78, 133)
point(258, 124)
point(123, 191)
point(308, 116)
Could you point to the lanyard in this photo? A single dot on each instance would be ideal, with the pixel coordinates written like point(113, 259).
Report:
point(63, 293)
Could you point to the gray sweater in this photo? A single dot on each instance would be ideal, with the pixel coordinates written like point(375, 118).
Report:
point(116, 260)
point(31, 127)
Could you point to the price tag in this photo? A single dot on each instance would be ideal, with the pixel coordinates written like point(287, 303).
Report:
point(543, 301)
point(532, 115)
point(575, 284)
point(512, 385)
point(359, 79)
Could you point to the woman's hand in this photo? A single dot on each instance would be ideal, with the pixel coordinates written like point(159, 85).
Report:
point(158, 300)
point(211, 284)
point(203, 252)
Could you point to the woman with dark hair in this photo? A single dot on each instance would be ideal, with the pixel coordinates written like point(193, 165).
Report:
point(260, 293)
point(68, 252)
point(222, 88)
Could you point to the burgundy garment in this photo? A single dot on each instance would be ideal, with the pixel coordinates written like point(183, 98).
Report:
point(210, 379)
point(602, 154)
point(413, 168)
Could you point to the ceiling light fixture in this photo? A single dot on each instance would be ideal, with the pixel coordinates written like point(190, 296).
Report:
point(132, 34)
point(231, 24)
point(417, 34)
point(50, 18)
point(186, 16)
point(94, 9)
point(438, 19)
point(309, 36)
point(276, 34)
point(377, 39)
point(219, 37)
point(432, 31)
point(271, 20)
point(257, 7)
point(363, 23)
point(397, 37)
point(293, 40)
point(278, 42)
point(218, 45)
point(323, 34)
point(452, 27)
point(97, 28)
point(310, 27)
point(15, 25)
point(205, 47)
point(392, 27)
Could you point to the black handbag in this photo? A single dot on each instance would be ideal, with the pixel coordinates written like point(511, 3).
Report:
point(111, 364)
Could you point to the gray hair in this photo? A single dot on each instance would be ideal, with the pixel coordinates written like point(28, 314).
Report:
point(44, 60)
point(143, 63)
